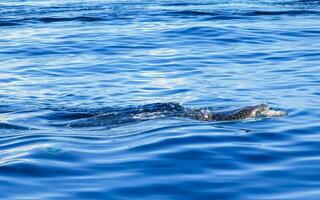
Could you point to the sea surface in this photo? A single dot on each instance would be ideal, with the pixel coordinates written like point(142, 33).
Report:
point(63, 62)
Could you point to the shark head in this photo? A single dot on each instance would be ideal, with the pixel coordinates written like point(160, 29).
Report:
point(264, 110)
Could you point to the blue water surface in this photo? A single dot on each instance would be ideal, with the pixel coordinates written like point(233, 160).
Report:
point(66, 60)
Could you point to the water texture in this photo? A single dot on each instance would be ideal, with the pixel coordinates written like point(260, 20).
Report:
point(70, 61)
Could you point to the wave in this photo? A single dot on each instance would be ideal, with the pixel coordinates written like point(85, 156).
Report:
point(239, 14)
point(11, 126)
point(21, 15)
point(15, 22)
point(283, 12)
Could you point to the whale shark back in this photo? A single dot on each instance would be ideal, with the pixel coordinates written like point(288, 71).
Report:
point(114, 117)
point(255, 111)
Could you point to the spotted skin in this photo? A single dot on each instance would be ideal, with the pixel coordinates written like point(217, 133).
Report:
point(260, 110)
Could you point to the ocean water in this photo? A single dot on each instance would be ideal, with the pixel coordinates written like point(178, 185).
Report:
point(63, 62)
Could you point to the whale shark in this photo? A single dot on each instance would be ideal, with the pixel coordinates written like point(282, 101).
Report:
point(110, 117)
